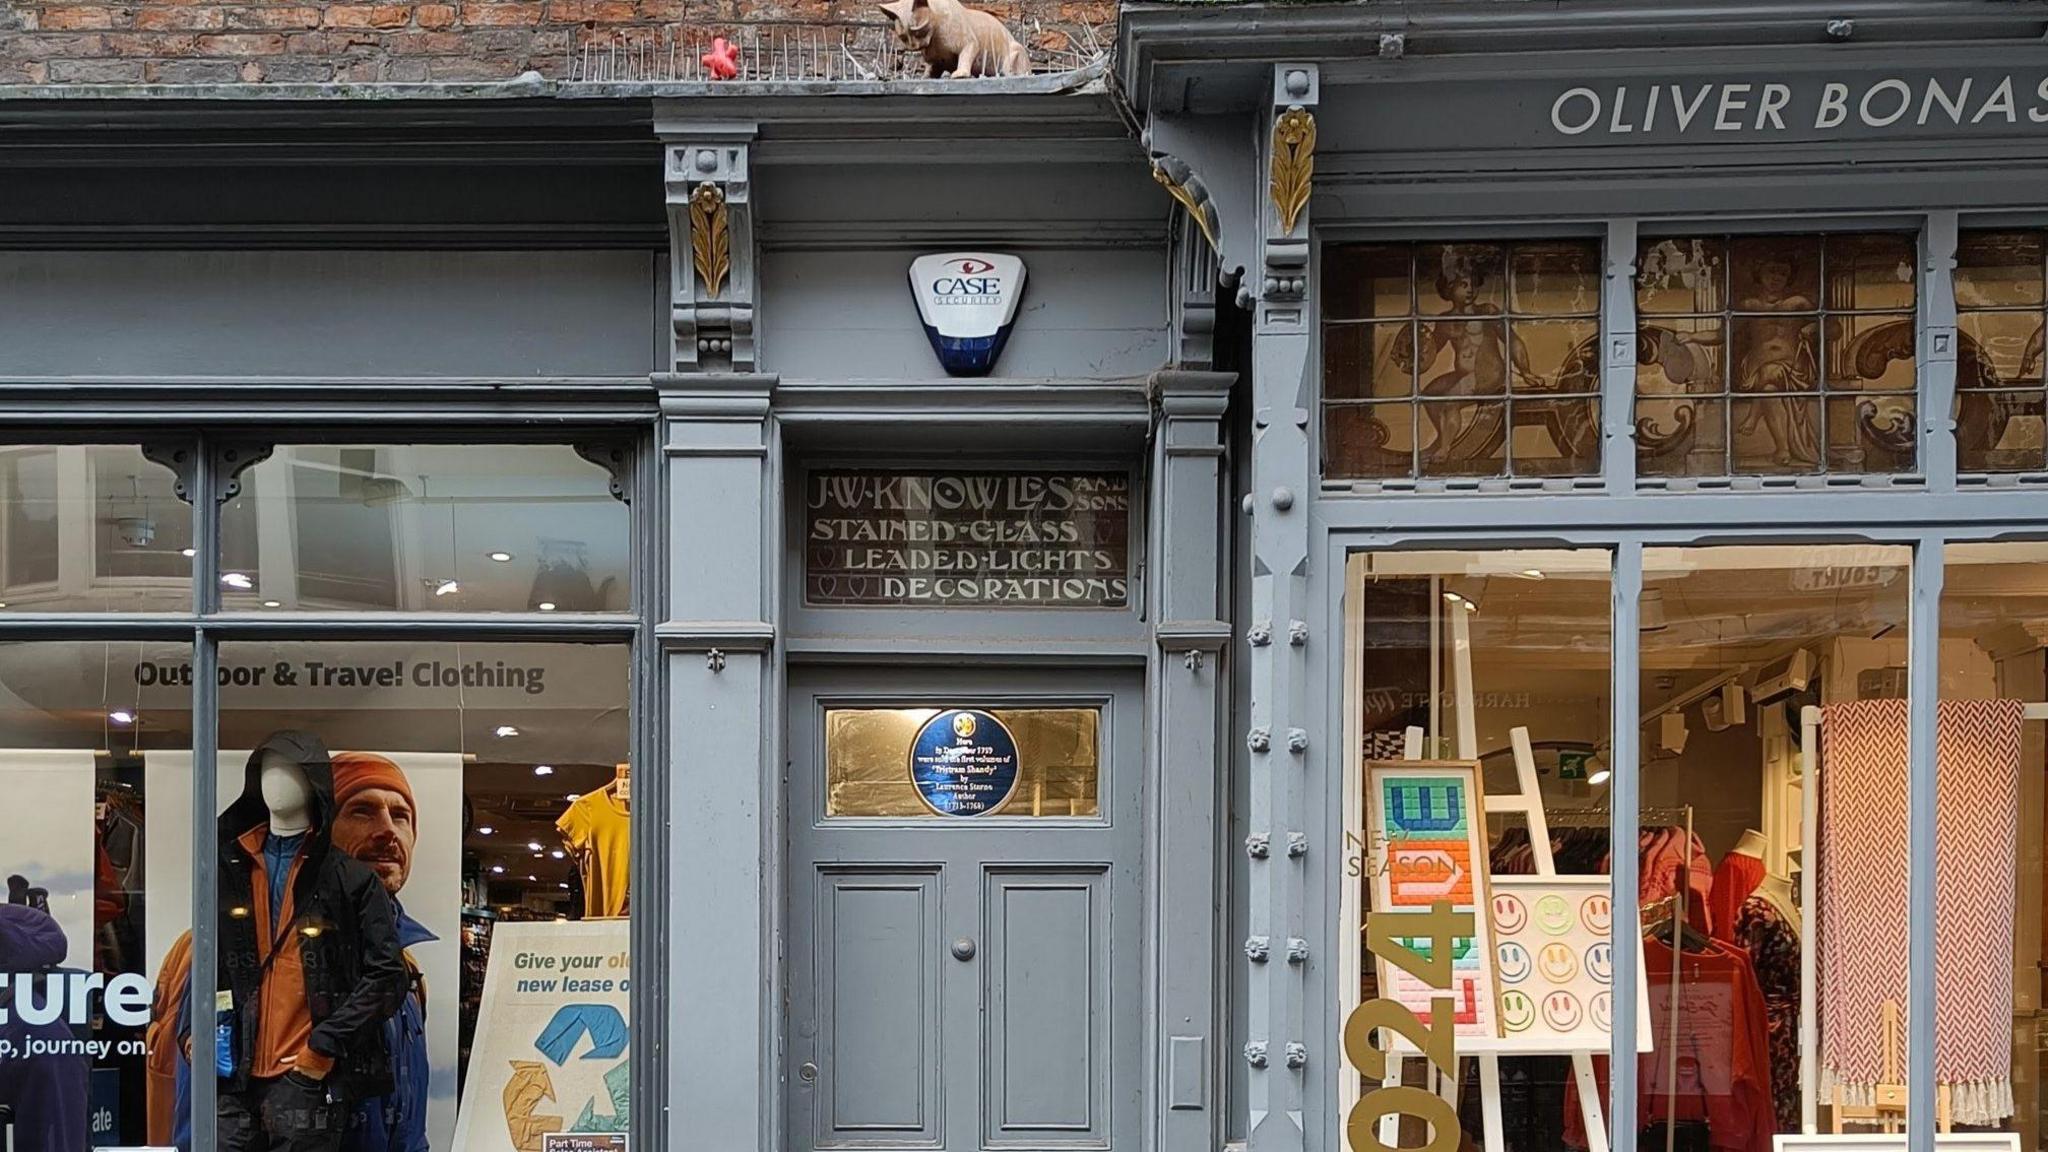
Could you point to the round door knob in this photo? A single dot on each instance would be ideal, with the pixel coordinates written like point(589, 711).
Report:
point(963, 948)
point(808, 1073)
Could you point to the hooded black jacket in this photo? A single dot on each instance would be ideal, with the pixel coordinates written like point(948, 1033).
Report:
point(343, 924)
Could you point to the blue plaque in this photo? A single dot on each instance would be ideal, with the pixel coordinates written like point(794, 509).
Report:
point(964, 763)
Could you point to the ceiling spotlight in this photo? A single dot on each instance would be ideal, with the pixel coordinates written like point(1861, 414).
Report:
point(546, 605)
point(543, 769)
point(272, 604)
point(237, 580)
point(562, 884)
point(1532, 573)
point(497, 869)
point(500, 557)
point(533, 845)
point(188, 553)
point(559, 854)
point(447, 588)
point(486, 830)
point(1599, 776)
point(532, 877)
point(3, 603)
point(121, 716)
point(505, 731)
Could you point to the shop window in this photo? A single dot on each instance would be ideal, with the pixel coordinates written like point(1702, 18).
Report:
point(473, 804)
point(427, 528)
point(2000, 403)
point(1477, 764)
point(92, 528)
point(1461, 360)
point(1991, 811)
point(1775, 355)
point(1773, 792)
point(95, 766)
point(922, 762)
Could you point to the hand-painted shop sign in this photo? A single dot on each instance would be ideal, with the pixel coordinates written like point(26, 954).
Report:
point(1767, 106)
point(1846, 102)
point(956, 539)
point(968, 302)
point(964, 763)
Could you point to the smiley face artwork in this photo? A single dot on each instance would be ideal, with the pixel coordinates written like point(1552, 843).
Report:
point(1554, 915)
point(1597, 914)
point(1557, 962)
point(1601, 1010)
point(1600, 962)
point(1517, 1011)
point(1510, 915)
point(1514, 965)
point(1561, 1011)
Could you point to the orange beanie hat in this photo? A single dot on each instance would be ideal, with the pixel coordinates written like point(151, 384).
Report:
point(356, 771)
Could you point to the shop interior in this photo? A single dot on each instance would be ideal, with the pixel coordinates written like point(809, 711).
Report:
point(1772, 791)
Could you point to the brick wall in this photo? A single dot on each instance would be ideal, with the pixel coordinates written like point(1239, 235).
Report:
point(236, 41)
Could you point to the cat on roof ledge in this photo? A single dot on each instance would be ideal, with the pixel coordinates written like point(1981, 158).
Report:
point(956, 40)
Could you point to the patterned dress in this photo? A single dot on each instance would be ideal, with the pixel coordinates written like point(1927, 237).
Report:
point(1772, 942)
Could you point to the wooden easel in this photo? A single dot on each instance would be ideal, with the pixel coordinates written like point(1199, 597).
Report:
point(1887, 1107)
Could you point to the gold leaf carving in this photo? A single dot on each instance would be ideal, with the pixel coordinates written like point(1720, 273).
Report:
point(1294, 165)
point(1187, 200)
point(710, 246)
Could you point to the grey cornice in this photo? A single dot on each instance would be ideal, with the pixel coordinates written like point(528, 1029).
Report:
point(327, 401)
point(1166, 49)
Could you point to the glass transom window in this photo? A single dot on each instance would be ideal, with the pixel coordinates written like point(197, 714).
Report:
point(1775, 355)
point(1461, 360)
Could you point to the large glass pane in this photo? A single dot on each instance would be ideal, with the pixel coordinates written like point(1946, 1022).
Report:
point(1991, 816)
point(451, 963)
point(1476, 682)
point(92, 528)
point(427, 528)
point(96, 772)
point(1773, 788)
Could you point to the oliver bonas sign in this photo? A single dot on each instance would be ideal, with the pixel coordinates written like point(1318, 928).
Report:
point(1761, 107)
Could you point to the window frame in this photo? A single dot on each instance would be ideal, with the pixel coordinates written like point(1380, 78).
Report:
point(205, 625)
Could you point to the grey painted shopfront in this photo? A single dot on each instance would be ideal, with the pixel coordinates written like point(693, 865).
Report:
point(1438, 381)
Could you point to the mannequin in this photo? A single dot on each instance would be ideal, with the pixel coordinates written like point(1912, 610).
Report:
point(297, 1043)
point(1751, 843)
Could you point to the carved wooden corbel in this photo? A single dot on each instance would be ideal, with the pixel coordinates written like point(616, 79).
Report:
point(711, 256)
point(1181, 183)
point(1293, 165)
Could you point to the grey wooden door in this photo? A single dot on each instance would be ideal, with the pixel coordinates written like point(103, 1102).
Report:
point(964, 982)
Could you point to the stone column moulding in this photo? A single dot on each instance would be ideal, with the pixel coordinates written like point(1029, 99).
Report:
point(711, 245)
point(1284, 789)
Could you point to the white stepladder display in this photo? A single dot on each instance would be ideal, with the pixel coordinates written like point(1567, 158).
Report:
point(1581, 1040)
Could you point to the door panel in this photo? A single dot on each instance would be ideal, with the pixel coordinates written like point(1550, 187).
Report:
point(878, 941)
point(1047, 1044)
point(963, 983)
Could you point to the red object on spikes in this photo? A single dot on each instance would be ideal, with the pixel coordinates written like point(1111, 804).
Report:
point(723, 61)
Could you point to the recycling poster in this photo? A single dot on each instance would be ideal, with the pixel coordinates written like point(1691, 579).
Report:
point(550, 1065)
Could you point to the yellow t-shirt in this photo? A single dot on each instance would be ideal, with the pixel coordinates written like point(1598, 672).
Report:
point(598, 830)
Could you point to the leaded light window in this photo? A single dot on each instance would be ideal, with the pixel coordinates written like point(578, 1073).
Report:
point(2000, 400)
point(1775, 355)
point(1461, 360)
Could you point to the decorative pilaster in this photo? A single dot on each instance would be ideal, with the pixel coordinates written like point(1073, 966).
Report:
point(1278, 639)
point(711, 245)
point(1190, 673)
point(716, 636)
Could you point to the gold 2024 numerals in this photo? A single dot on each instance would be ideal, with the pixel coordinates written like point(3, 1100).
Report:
point(1385, 933)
